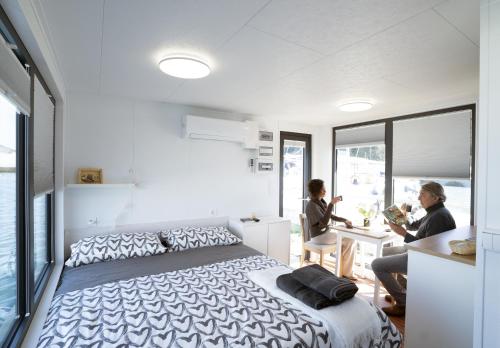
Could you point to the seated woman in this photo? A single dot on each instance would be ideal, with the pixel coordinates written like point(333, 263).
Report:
point(437, 220)
point(318, 217)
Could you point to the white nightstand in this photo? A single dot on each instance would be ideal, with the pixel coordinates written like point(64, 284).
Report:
point(270, 236)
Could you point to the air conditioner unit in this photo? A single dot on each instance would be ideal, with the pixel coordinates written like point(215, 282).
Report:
point(197, 127)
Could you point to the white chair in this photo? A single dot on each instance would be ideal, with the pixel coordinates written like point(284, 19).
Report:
point(321, 249)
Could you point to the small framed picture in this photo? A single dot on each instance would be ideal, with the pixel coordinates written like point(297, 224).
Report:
point(265, 136)
point(89, 175)
point(265, 151)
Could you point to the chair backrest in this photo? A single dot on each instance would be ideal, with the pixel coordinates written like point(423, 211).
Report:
point(304, 227)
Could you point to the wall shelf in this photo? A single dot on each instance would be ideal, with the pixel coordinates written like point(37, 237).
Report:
point(99, 186)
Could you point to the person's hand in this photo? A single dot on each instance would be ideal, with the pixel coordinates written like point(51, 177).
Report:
point(335, 200)
point(398, 229)
point(348, 224)
point(403, 209)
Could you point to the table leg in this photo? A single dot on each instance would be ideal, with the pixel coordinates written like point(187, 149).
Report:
point(362, 261)
point(338, 264)
point(376, 292)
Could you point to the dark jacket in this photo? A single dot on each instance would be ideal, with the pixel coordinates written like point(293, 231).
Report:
point(438, 219)
point(318, 215)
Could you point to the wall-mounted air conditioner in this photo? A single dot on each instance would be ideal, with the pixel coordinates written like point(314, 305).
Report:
point(197, 127)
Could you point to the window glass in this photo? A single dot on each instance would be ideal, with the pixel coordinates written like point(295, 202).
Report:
point(458, 197)
point(360, 181)
point(8, 225)
point(40, 224)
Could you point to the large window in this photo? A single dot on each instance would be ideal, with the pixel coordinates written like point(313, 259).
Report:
point(384, 162)
point(8, 217)
point(26, 185)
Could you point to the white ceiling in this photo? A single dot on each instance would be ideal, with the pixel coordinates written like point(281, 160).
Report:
point(290, 59)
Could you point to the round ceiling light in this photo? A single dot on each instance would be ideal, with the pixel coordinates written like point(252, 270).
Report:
point(184, 68)
point(356, 106)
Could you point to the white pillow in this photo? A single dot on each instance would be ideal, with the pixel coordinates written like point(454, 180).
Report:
point(189, 237)
point(114, 247)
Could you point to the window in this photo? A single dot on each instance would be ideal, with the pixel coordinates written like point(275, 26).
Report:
point(405, 152)
point(360, 181)
point(26, 185)
point(8, 217)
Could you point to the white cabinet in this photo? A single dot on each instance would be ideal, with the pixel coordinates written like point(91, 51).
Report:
point(270, 236)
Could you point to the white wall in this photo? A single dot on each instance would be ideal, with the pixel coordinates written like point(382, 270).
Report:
point(487, 300)
point(177, 178)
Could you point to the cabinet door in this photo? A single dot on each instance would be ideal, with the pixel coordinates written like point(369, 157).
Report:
point(256, 237)
point(278, 241)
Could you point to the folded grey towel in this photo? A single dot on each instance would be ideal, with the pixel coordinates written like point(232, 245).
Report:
point(326, 283)
point(308, 296)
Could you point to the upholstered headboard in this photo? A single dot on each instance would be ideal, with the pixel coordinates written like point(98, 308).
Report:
point(73, 235)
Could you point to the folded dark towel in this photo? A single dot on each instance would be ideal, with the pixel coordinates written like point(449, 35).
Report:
point(302, 293)
point(326, 283)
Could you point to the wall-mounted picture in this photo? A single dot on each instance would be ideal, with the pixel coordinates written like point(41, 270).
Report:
point(90, 176)
point(265, 136)
point(266, 151)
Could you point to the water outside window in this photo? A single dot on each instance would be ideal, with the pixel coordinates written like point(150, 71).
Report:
point(8, 281)
point(293, 191)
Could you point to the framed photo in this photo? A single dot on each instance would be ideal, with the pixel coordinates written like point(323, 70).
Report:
point(265, 136)
point(89, 175)
point(265, 151)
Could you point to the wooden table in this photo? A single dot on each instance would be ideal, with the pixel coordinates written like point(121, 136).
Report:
point(362, 235)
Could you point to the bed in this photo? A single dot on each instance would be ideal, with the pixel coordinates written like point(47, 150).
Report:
point(201, 297)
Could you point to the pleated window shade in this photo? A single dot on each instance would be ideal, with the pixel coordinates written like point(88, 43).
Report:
point(360, 136)
point(14, 80)
point(43, 113)
point(434, 147)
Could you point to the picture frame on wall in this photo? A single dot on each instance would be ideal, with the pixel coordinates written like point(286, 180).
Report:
point(265, 136)
point(89, 175)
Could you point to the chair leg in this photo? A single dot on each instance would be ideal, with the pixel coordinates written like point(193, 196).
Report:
point(302, 256)
point(321, 257)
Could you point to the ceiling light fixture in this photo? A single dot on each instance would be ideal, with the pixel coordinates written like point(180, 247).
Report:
point(356, 106)
point(184, 67)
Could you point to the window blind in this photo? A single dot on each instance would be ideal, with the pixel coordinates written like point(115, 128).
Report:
point(435, 147)
point(365, 135)
point(14, 80)
point(43, 114)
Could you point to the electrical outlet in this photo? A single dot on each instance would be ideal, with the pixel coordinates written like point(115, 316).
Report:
point(92, 221)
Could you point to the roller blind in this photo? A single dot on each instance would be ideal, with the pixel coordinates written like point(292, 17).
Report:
point(366, 135)
point(14, 80)
point(436, 146)
point(43, 113)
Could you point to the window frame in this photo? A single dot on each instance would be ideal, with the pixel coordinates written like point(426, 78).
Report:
point(29, 292)
point(389, 122)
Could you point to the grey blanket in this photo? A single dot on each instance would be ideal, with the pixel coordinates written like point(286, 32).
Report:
point(82, 277)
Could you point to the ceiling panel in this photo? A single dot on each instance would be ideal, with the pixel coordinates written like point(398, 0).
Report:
point(74, 30)
point(464, 15)
point(328, 26)
point(291, 59)
point(137, 35)
point(249, 61)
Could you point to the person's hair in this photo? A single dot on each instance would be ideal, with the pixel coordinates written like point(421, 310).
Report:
point(314, 186)
point(435, 189)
